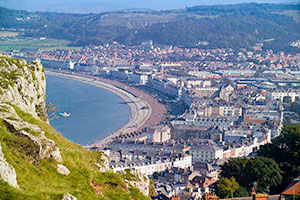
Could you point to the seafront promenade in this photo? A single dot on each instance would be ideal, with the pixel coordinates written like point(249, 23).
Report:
point(145, 110)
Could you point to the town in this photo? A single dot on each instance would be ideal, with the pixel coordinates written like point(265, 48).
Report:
point(221, 104)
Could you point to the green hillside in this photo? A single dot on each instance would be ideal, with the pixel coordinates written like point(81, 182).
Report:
point(37, 177)
point(233, 26)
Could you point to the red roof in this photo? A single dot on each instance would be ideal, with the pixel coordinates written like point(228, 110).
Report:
point(293, 189)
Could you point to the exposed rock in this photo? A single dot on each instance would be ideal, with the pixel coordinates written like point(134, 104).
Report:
point(97, 188)
point(142, 182)
point(104, 165)
point(24, 86)
point(7, 111)
point(69, 197)
point(47, 147)
point(7, 172)
point(63, 169)
point(19, 124)
point(56, 155)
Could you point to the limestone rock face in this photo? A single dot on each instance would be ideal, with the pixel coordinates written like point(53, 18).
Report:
point(69, 197)
point(23, 85)
point(63, 169)
point(7, 172)
point(142, 182)
point(47, 148)
point(104, 166)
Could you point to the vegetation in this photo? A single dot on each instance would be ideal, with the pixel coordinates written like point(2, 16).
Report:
point(232, 26)
point(30, 43)
point(8, 34)
point(226, 187)
point(40, 180)
point(285, 150)
point(273, 170)
point(129, 176)
point(294, 107)
point(264, 171)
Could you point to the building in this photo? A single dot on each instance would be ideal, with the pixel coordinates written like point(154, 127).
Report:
point(206, 91)
point(139, 78)
point(292, 190)
point(221, 122)
point(281, 94)
point(71, 65)
point(205, 152)
point(157, 164)
point(159, 134)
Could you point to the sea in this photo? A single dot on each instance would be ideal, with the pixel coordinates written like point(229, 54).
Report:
point(95, 112)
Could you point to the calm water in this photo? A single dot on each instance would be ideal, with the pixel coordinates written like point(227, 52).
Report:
point(95, 112)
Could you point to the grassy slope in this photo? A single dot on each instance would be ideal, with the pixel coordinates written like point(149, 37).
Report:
point(19, 43)
point(41, 181)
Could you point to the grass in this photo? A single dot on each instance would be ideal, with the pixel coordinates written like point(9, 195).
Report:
point(129, 176)
point(7, 76)
point(4, 34)
point(291, 13)
point(16, 44)
point(40, 180)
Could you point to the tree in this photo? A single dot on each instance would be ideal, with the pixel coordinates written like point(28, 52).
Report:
point(295, 107)
point(287, 99)
point(241, 192)
point(51, 111)
point(235, 168)
point(262, 170)
point(226, 187)
point(285, 150)
point(258, 74)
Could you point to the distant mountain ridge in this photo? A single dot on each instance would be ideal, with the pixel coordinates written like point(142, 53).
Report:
point(235, 26)
point(96, 6)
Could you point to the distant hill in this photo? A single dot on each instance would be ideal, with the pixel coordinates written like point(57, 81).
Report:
point(232, 26)
point(92, 6)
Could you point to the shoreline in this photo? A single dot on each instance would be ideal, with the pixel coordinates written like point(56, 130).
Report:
point(135, 99)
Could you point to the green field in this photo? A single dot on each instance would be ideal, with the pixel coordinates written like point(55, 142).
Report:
point(291, 13)
point(4, 34)
point(16, 44)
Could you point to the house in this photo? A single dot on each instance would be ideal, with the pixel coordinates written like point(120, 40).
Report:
point(203, 182)
point(281, 94)
point(158, 134)
point(139, 78)
point(205, 152)
point(292, 190)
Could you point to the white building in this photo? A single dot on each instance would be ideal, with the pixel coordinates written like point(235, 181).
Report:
point(222, 122)
point(280, 94)
point(139, 78)
point(71, 64)
point(149, 167)
point(232, 111)
point(205, 152)
point(159, 134)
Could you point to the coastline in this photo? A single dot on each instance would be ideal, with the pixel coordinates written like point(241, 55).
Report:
point(136, 99)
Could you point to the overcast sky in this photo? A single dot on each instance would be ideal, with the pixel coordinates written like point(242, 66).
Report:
point(86, 6)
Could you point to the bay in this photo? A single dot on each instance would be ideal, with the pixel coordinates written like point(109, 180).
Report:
point(95, 112)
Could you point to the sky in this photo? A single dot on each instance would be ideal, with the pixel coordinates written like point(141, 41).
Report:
point(94, 6)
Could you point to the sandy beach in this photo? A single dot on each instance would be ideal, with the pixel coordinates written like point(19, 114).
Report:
point(145, 110)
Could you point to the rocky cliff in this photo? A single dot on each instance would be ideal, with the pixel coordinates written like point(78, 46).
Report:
point(23, 85)
point(38, 163)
